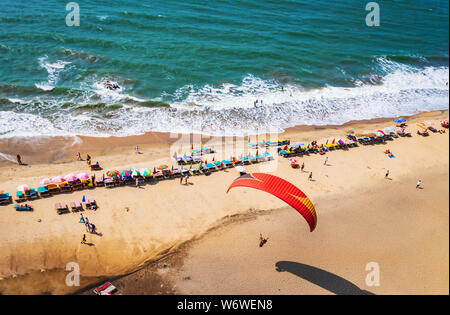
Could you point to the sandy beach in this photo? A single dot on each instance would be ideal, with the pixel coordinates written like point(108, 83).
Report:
point(167, 238)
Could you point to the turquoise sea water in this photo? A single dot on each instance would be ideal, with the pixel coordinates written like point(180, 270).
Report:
point(197, 65)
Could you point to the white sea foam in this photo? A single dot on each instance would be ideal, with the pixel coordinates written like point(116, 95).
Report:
point(229, 109)
point(53, 70)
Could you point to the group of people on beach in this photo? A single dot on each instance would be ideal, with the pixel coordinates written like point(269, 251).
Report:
point(90, 227)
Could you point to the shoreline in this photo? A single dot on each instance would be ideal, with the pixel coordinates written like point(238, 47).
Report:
point(136, 224)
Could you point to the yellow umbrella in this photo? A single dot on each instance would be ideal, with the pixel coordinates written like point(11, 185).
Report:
point(422, 126)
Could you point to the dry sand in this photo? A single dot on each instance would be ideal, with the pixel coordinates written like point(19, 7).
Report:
point(362, 218)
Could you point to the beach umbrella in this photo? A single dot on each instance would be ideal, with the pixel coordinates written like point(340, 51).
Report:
point(125, 173)
point(422, 126)
point(292, 160)
point(135, 173)
point(83, 176)
point(400, 120)
point(57, 179)
point(163, 167)
point(112, 174)
point(350, 132)
point(46, 181)
point(340, 141)
point(145, 172)
point(379, 134)
point(382, 132)
point(70, 177)
point(24, 188)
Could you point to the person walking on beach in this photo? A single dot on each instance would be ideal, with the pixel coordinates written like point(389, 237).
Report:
point(83, 241)
point(326, 160)
point(82, 218)
point(137, 148)
point(79, 156)
point(262, 240)
point(418, 184)
point(93, 229)
point(19, 159)
point(303, 166)
point(186, 179)
point(181, 180)
point(137, 182)
point(87, 226)
point(387, 174)
point(310, 176)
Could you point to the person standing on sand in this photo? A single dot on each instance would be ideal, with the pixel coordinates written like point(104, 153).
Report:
point(418, 184)
point(326, 160)
point(137, 148)
point(186, 179)
point(137, 182)
point(79, 156)
point(310, 176)
point(387, 174)
point(181, 180)
point(82, 218)
point(303, 166)
point(19, 159)
point(83, 241)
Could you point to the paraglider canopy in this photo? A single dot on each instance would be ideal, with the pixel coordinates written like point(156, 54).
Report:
point(282, 189)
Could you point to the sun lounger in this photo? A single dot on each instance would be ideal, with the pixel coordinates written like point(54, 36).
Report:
point(53, 188)
point(105, 289)
point(43, 191)
point(268, 156)
point(194, 170)
point(76, 206)
point(422, 133)
point(245, 160)
point(99, 182)
point(87, 183)
point(77, 185)
point(31, 194)
point(158, 175)
point(90, 202)
point(252, 146)
point(23, 208)
point(5, 199)
point(211, 167)
point(196, 159)
point(19, 197)
point(180, 161)
point(95, 167)
point(227, 163)
point(189, 159)
point(252, 158)
point(61, 208)
point(65, 186)
point(176, 172)
point(109, 183)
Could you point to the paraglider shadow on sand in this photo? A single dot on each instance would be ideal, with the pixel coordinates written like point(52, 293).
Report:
point(324, 279)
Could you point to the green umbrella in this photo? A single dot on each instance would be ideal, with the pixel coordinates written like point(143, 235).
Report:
point(112, 173)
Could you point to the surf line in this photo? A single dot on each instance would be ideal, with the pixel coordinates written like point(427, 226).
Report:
point(187, 305)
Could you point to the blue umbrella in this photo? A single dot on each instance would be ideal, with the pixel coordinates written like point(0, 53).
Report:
point(400, 120)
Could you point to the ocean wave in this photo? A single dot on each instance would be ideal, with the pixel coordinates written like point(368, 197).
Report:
point(392, 89)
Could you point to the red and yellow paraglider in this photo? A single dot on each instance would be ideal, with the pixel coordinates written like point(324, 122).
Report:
point(281, 189)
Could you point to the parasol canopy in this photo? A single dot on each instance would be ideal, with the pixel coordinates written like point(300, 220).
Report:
point(46, 181)
point(23, 188)
point(83, 176)
point(163, 167)
point(70, 177)
point(112, 173)
point(57, 179)
point(292, 160)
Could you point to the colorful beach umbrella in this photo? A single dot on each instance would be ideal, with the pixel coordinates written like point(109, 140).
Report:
point(23, 188)
point(135, 173)
point(83, 176)
point(112, 173)
point(350, 132)
point(125, 173)
point(57, 179)
point(145, 172)
point(382, 132)
point(163, 167)
point(292, 160)
point(46, 181)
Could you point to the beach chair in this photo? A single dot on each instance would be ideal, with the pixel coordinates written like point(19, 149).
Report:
point(20, 197)
point(99, 182)
point(219, 165)
point(194, 170)
point(196, 159)
point(43, 191)
point(61, 208)
point(184, 171)
point(87, 183)
point(95, 167)
point(105, 289)
point(90, 203)
point(53, 188)
point(227, 163)
point(268, 156)
point(245, 160)
point(5, 199)
point(23, 208)
point(180, 161)
point(76, 206)
point(77, 185)
point(211, 167)
point(31, 194)
point(65, 186)
point(189, 159)
point(252, 159)
point(252, 146)
point(176, 172)
point(109, 183)
point(158, 175)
